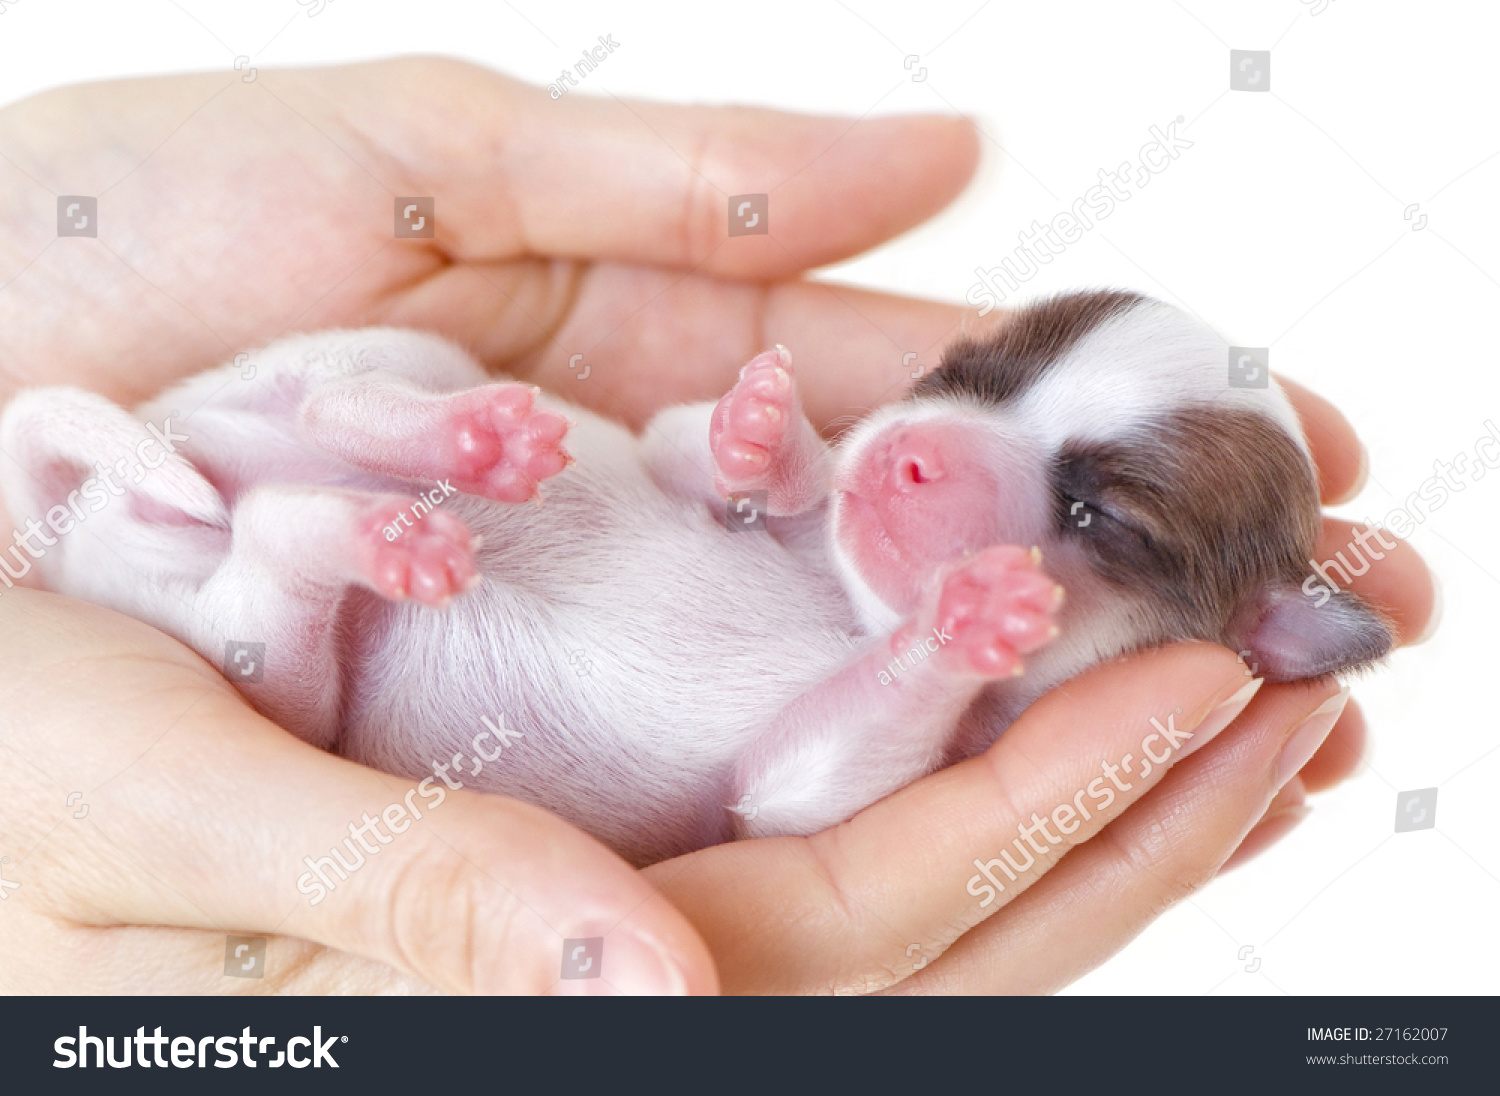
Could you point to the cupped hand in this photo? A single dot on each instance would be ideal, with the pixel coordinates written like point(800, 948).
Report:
point(583, 244)
point(149, 816)
point(231, 213)
point(939, 888)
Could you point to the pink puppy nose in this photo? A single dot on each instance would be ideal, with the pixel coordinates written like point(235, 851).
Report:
point(915, 460)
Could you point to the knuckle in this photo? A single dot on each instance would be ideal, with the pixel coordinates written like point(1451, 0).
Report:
point(702, 221)
point(454, 926)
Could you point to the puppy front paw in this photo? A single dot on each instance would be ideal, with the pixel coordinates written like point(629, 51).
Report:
point(989, 611)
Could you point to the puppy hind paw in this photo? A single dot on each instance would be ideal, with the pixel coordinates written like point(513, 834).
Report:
point(502, 445)
point(429, 560)
point(754, 423)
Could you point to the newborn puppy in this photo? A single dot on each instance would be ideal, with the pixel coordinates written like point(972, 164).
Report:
point(430, 569)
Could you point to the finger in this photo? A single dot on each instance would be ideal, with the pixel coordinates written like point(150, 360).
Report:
point(855, 349)
point(1397, 583)
point(1340, 755)
point(600, 177)
point(653, 338)
point(40, 954)
point(204, 815)
point(837, 916)
point(1342, 462)
point(1168, 845)
point(1286, 812)
point(1335, 760)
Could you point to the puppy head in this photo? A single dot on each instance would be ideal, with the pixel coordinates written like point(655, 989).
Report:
point(1101, 427)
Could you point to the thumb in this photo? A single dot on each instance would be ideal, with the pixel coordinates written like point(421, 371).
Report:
point(472, 893)
point(204, 815)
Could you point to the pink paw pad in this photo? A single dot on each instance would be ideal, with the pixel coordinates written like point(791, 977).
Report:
point(998, 606)
point(428, 559)
point(502, 445)
point(753, 422)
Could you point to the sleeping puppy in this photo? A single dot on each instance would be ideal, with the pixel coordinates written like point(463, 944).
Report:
point(723, 627)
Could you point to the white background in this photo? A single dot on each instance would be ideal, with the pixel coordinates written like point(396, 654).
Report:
point(1282, 226)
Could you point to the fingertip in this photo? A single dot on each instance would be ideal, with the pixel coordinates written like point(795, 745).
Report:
point(1338, 456)
point(1340, 754)
point(1286, 813)
point(485, 895)
point(1361, 477)
point(1399, 583)
point(655, 951)
point(610, 179)
point(1434, 612)
point(953, 142)
point(844, 188)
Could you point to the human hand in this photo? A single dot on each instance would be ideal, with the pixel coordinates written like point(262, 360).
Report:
point(193, 824)
point(266, 210)
point(231, 213)
point(895, 899)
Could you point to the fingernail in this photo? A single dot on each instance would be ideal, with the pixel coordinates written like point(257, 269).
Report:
point(638, 966)
point(1309, 735)
point(1265, 833)
point(1221, 716)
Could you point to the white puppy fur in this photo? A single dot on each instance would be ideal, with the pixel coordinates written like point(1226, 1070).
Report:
point(671, 683)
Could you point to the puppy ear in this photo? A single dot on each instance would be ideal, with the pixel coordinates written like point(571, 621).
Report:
point(56, 439)
point(1290, 635)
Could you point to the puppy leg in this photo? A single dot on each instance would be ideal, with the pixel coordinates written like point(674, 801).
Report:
point(755, 439)
point(112, 516)
point(887, 718)
point(762, 441)
point(296, 554)
point(104, 484)
point(491, 441)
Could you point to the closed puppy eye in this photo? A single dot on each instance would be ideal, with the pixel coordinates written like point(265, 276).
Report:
point(1079, 513)
point(1083, 514)
point(1087, 503)
point(1123, 551)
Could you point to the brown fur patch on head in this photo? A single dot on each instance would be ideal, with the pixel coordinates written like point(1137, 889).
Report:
point(1007, 362)
point(1195, 511)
